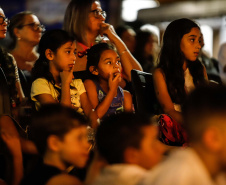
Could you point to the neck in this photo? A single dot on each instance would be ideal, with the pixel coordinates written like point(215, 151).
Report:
point(91, 37)
point(209, 159)
point(52, 159)
point(104, 84)
point(185, 65)
point(25, 48)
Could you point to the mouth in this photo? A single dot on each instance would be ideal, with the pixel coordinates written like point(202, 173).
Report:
point(196, 53)
point(4, 31)
point(71, 65)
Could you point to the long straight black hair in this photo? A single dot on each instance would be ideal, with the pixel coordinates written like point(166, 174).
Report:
point(171, 60)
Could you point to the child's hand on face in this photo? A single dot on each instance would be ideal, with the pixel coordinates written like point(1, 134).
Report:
point(66, 76)
point(114, 81)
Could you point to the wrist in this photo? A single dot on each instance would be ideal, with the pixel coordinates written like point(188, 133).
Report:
point(123, 52)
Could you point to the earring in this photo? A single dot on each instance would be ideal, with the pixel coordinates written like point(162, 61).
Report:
point(18, 38)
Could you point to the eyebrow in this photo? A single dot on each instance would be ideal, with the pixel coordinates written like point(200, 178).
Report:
point(192, 36)
point(107, 59)
point(68, 47)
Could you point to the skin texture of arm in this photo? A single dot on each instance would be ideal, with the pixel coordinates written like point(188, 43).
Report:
point(163, 96)
point(128, 102)
point(102, 108)
point(87, 108)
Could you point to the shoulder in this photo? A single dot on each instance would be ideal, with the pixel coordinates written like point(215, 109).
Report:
point(77, 82)
point(158, 71)
point(64, 179)
point(158, 74)
point(127, 93)
point(40, 82)
point(89, 83)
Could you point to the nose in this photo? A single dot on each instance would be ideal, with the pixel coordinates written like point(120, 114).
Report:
point(199, 46)
point(5, 23)
point(102, 18)
point(74, 57)
point(116, 65)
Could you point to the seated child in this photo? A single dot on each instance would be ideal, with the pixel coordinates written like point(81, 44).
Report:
point(53, 74)
point(103, 90)
point(201, 163)
point(60, 135)
point(129, 143)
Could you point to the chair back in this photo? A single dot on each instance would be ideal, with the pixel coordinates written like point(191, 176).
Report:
point(145, 98)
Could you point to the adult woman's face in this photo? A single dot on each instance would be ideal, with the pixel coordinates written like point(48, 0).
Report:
point(3, 25)
point(30, 31)
point(94, 21)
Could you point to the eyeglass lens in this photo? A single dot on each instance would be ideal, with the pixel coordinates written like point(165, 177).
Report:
point(3, 19)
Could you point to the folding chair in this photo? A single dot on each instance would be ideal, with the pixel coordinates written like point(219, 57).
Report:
point(145, 98)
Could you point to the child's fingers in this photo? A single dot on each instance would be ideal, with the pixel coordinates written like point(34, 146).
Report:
point(111, 76)
point(117, 77)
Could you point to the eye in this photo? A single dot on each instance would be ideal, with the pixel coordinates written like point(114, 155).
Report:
point(68, 52)
point(118, 62)
point(192, 40)
point(109, 62)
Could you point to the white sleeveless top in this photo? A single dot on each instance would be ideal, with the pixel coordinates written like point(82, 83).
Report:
point(188, 85)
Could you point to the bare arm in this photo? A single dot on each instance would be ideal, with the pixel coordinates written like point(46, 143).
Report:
point(66, 78)
point(87, 107)
point(103, 107)
point(163, 96)
point(127, 59)
point(128, 103)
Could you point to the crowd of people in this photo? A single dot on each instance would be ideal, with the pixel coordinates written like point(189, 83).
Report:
point(67, 106)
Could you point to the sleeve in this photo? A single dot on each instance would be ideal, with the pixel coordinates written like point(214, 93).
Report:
point(40, 86)
point(80, 86)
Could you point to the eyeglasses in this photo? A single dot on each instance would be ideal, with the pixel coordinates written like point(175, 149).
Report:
point(4, 19)
point(98, 13)
point(34, 27)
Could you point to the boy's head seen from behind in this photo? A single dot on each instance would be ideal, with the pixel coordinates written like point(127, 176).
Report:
point(205, 122)
point(129, 138)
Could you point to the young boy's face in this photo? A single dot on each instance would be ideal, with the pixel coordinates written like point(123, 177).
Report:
point(74, 148)
point(151, 149)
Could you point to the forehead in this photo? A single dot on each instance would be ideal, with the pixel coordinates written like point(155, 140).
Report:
point(195, 32)
point(76, 131)
point(30, 19)
point(95, 5)
point(69, 44)
point(2, 13)
point(108, 54)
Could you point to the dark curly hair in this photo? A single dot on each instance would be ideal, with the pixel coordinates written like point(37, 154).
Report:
point(171, 60)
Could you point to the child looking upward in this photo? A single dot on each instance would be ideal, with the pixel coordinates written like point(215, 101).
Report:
point(104, 92)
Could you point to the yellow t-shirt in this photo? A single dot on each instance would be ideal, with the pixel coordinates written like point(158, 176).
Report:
point(42, 86)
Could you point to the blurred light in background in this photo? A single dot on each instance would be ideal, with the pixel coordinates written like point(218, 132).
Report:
point(207, 32)
point(131, 7)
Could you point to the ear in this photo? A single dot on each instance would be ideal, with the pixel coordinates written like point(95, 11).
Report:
point(131, 155)
point(93, 70)
point(213, 139)
point(53, 143)
point(49, 54)
point(16, 32)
